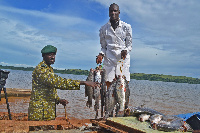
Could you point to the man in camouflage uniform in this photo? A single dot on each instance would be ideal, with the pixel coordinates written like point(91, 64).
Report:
point(44, 96)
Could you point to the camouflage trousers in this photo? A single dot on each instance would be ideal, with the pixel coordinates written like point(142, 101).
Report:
point(42, 110)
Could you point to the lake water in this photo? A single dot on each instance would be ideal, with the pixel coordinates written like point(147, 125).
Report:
point(166, 97)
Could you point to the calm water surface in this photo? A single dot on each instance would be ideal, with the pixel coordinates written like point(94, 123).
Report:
point(165, 97)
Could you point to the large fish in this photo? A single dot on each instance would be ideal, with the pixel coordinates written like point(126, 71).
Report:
point(110, 99)
point(143, 117)
point(155, 119)
point(167, 123)
point(89, 89)
point(136, 111)
point(120, 95)
point(127, 94)
point(170, 124)
point(96, 95)
point(103, 90)
point(171, 118)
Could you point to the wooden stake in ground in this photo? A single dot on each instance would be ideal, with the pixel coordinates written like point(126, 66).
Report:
point(65, 113)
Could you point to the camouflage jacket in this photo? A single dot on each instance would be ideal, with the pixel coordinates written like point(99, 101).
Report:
point(44, 96)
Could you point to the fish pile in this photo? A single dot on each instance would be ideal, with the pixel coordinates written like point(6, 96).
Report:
point(116, 96)
point(158, 120)
point(97, 93)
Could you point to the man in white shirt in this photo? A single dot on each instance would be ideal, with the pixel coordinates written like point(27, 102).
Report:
point(116, 44)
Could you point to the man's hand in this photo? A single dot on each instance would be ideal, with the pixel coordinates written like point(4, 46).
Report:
point(63, 102)
point(99, 59)
point(90, 83)
point(123, 54)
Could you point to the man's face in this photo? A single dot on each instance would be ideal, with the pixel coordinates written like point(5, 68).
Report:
point(49, 58)
point(114, 12)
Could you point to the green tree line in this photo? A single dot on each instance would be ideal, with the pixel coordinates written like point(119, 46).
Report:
point(137, 76)
point(66, 71)
point(165, 78)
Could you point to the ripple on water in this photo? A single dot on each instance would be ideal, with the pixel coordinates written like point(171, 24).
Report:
point(166, 97)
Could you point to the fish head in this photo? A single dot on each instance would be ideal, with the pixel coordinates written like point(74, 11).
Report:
point(127, 112)
point(143, 117)
point(156, 118)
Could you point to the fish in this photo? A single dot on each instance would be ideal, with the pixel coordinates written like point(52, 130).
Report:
point(169, 126)
point(154, 119)
point(120, 95)
point(116, 95)
point(110, 101)
point(103, 90)
point(167, 123)
point(171, 118)
point(126, 83)
point(88, 89)
point(158, 120)
point(127, 94)
point(96, 75)
point(96, 95)
point(136, 111)
point(170, 123)
point(143, 117)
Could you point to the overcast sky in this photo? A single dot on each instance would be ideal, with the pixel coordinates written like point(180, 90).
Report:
point(166, 33)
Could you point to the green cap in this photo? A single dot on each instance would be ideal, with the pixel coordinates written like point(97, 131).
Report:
point(49, 49)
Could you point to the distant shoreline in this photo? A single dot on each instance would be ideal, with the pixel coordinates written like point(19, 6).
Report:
point(16, 92)
point(137, 76)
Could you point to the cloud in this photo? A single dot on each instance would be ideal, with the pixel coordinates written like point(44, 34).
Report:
point(156, 60)
point(21, 36)
point(25, 39)
point(166, 20)
point(51, 24)
point(57, 19)
point(165, 35)
point(167, 28)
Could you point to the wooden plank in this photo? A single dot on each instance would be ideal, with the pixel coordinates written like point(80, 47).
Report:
point(123, 127)
point(107, 127)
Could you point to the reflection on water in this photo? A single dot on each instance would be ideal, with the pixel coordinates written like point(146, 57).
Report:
point(19, 79)
point(165, 97)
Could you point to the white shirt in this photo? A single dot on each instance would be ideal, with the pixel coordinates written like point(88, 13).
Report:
point(112, 43)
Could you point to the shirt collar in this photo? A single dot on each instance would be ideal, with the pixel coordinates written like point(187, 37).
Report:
point(44, 63)
point(120, 22)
